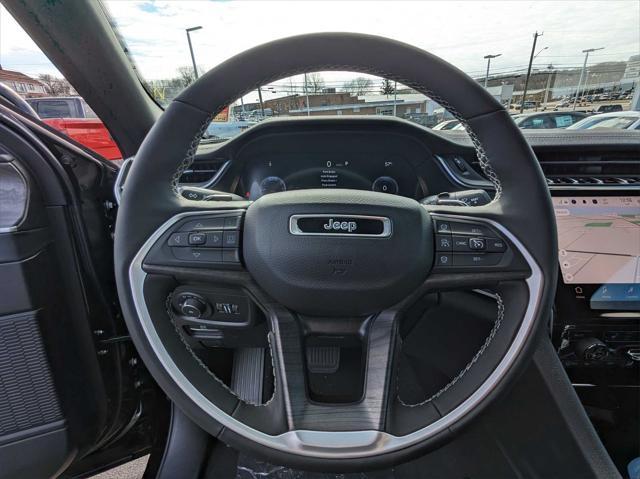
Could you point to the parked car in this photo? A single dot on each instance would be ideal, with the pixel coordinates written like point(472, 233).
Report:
point(447, 125)
point(546, 120)
point(220, 131)
point(75, 118)
point(608, 108)
point(625, 120)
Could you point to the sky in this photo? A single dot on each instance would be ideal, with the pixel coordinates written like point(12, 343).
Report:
point(460, 32)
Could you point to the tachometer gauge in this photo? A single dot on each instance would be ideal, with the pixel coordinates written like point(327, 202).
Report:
point(385, 184)
point(272, 184)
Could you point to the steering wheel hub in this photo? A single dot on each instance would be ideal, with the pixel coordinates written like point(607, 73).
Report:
point(337, 252)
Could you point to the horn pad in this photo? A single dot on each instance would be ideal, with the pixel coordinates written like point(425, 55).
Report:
point(337, 252)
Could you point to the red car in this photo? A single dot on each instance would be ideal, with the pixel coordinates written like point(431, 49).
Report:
point(75, 118)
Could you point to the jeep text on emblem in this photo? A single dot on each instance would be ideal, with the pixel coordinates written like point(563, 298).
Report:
point(340, 225)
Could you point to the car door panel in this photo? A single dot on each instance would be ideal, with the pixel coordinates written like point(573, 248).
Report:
point(66, 393)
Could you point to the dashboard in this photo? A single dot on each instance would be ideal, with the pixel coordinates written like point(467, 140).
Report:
point(594, 180)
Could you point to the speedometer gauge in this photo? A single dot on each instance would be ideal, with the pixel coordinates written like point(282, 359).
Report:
point(272, 184)
point(385, 184)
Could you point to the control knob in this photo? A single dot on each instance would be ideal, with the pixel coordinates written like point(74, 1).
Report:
point(193, 307)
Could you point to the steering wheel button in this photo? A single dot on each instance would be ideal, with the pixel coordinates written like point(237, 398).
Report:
point(232, 222)
point(469, 229)
point(496, 245)
point(198, 255)
point(203, 224)
point(443, 243)
point(230, 239)
point(461, 243)
point(214, 239)
point(197, 238)
point(230, 255)
point(476, 244)
point(443, 227)
point(488, 259)
point(444, 259)
point(179, 239)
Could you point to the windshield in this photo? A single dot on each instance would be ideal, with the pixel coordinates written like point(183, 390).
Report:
point(529, 55)
point(620, 122)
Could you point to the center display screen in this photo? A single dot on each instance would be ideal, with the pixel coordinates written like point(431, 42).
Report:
point(599, 244)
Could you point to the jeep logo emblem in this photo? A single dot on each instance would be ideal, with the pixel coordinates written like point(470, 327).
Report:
point(357, 226)
point(349, 226)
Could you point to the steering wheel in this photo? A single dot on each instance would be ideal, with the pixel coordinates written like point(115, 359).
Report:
point(389, 251)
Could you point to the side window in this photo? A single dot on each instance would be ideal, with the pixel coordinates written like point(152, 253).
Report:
point(88, 112)
point(54, 109)
point(533, 123)
point(563, 121)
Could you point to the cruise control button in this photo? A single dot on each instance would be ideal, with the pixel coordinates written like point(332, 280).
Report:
point(496, 245)
point(443, 259)
point(460, 243)
point(203, 224)
point(442, 227)
point(200, 255)
point(476, 244)
point(443, 243)
point(197, 238)
point(486, 259)
point(230, 239)
point(470, 229)
point(178, 239)
point(214, 239)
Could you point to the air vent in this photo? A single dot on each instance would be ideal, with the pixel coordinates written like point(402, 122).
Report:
point(201, 172)
point(578, 169)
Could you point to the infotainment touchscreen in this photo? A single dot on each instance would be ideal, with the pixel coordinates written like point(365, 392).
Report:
point(599, 244)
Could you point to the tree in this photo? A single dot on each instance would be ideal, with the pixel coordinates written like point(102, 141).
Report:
point(56, 86)
point(387, 87)
point(358, 86)
point(315, 83)
point(186, 76)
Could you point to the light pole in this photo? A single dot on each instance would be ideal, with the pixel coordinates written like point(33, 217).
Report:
point(193, 58)
point(533, 55)
point(488, 58)
point(584, 67)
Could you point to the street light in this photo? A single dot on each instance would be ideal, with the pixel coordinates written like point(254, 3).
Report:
point(488, 58)
point(193, 58)
point(584, 67)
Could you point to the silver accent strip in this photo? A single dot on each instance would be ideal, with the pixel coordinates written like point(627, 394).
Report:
point(118, 186)
point(330, 444)
point(294, 229)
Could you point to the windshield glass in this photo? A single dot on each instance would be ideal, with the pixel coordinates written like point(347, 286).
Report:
point(530, 55)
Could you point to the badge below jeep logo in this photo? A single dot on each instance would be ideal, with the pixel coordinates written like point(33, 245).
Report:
point(340, 225)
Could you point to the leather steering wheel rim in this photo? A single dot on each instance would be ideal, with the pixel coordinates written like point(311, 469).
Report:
point(150, 205)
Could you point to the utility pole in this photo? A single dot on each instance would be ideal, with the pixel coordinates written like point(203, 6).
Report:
point(488, 58)
point(584, 67)
point(546, 90)
point(306, 92)
point(526, 81)
point(261, 104)
point(193, 58)
point(395, 97)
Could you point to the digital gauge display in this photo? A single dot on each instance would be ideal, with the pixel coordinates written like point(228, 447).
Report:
point(361, 172)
